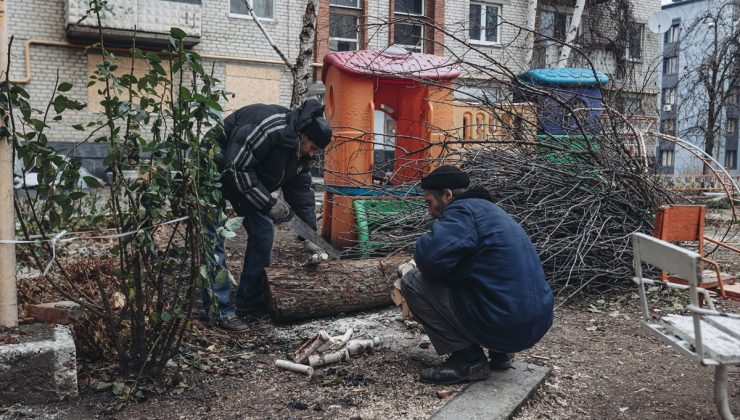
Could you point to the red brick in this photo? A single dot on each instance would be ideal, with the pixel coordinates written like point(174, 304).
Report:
point(63, 312)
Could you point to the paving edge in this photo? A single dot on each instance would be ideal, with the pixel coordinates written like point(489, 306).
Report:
point(510, 390)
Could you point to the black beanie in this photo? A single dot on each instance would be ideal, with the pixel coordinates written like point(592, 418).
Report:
point(319, 131)
point(445, 177)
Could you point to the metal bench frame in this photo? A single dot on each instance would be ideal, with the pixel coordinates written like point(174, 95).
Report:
point(706, 336)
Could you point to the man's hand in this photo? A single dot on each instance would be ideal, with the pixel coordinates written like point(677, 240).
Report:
point(280, 211)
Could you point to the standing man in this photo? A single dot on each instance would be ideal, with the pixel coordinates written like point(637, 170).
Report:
point(479, 282)
point(265, 148)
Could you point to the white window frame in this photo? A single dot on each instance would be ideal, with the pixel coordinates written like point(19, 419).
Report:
point(667, 158)
point(483, 6)
point(248, 16)
point(669, 69)
point(412, 48)
point(668, 126)
point(731, 163)
point(731, 125)
point(359, 16)
point(669, 96)
point(671, 35)
point(627, 54)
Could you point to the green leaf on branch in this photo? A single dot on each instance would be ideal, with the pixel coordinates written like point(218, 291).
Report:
point(92, 182)
point(64, 87)
point(177, 33)
point(234, 223)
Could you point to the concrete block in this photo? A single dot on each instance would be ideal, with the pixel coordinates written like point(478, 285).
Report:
point(496, 398)
point(40, 367)
point(63, 312)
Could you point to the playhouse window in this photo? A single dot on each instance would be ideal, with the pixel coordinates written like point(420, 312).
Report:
point(484, 23)
point(344, 25)
point(409, 27)
point(263, 9)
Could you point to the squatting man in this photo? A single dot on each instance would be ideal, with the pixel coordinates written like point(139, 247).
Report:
point(264, 148)
point(479, 282)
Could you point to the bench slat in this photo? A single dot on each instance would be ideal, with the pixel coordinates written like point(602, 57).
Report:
point(718, 345)
point(729, 326)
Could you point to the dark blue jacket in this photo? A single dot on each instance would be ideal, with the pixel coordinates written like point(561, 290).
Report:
point(496, 276)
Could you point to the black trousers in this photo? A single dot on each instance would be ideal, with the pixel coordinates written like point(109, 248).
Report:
point(433, 307)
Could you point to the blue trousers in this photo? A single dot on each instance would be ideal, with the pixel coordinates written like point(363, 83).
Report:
point(253, 280)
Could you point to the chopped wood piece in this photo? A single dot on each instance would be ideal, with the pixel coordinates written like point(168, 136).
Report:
point(311, 346)
point(355, 347)
point(295, 367)
point(317, 360)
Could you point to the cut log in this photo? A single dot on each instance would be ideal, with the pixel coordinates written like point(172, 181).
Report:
point(295, 367)
point(331, 288)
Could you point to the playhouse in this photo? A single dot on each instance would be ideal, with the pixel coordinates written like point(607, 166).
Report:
point(391, 110)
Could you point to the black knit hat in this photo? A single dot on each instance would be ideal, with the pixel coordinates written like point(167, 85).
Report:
point(445, 177)
point(319, 131)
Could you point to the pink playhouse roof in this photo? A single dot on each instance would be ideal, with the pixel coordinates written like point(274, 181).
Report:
point(392, 63)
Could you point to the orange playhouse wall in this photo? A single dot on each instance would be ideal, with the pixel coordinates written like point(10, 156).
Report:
point(348, 159)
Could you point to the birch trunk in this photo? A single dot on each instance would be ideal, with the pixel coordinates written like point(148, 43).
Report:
point(529, 40)
point(572, 33)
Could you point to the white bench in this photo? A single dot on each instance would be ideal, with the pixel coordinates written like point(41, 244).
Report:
point(706, 336)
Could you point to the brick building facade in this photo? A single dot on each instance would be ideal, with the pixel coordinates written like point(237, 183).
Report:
point(48, 42)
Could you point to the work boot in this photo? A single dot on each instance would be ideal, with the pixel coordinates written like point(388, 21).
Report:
point(469, 364)
point(232, 323)
point(499, 360)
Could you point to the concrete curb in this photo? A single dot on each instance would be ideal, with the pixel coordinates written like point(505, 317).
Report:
point(498, 397)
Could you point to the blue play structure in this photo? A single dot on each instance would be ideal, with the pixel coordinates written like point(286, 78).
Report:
point(578, 89)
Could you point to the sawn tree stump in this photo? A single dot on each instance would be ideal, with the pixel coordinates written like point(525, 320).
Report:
point(331, 288)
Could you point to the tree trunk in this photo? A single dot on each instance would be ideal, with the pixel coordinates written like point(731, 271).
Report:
point(572, 33)
point(331, 288)
point(531, 25)
point(301, 70)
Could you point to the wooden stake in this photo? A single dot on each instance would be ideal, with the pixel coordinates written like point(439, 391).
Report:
point(295, 367)
point(8, 290)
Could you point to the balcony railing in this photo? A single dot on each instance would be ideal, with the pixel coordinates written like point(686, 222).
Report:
point(149, 21)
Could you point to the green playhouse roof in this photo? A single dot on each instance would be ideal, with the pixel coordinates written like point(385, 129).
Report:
point(564, 77)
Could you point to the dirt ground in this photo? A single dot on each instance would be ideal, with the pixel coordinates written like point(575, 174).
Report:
point(603, 367)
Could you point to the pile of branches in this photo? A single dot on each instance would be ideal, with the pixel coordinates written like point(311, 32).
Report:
point(578, 204)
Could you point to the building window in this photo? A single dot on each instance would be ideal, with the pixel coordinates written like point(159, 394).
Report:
point(668, 127)
point(731, 159)
point(263, 9)
point(409, 26)
point(555, 25)
point(731, 125)
point(344, 25)
point(672, 34)
point(484, 23)
point(633, 49)
point(669, 96)
point(666, 158)
point(670, 65)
